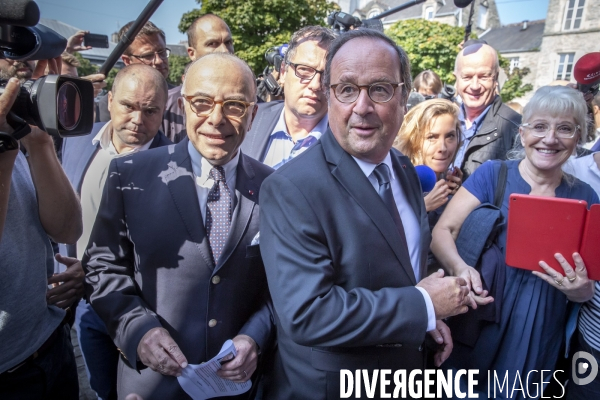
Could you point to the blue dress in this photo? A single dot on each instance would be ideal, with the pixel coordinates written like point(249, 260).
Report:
point(532, 324)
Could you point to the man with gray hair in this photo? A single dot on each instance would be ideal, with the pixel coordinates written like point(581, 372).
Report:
point(173, 264)
point(345, 235)
point(285, 129)
point(489, 127)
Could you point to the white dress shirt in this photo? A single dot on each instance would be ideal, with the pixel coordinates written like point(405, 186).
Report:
point(585, 169)
point(204, 182)
point(412, 226)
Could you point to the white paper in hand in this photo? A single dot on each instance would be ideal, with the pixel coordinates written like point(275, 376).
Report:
point(202, 382)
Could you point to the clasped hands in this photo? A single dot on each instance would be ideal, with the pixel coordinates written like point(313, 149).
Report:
point(158, 351)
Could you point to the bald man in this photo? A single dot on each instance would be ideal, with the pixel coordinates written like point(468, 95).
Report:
point(136, 104)
point(173, 282)
point(207, 34)
point(488, 126)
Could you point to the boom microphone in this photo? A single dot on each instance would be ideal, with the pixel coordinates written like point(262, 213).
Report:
point(426, 177)
point(462, 3)
point(587, 73)
point(19, 13)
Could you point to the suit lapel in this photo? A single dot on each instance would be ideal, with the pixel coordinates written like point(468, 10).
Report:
point(180, 180)
point(265, 124)
point(351, 177)
point(247, 194)
point(399, 169)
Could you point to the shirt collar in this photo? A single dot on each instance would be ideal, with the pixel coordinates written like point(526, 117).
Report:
point(202, 167)
point(317, 131)
point(104, 138)
point(463, 115)
point(367, 167)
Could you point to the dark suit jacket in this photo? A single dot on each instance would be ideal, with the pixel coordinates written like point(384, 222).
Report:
point(342, 288)
point(256, 140)
point(78, 152)
point(149, 265)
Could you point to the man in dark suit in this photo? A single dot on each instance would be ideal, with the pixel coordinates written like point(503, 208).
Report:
point(136, 103)
point(173, 265)
point(344, 237)
point(285, 129)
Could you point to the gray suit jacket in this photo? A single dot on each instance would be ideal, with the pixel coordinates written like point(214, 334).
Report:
point(256, 140)
point(149, 265)
point(342, 287)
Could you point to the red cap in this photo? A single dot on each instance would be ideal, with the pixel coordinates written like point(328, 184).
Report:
point(587, 69)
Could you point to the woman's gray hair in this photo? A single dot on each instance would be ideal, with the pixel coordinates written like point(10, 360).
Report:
point(554, 100)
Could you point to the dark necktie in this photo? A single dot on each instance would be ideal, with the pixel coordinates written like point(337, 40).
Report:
point(218, 212)
point(382, 173)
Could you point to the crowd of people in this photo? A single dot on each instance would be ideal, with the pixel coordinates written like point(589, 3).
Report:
point(297, 228)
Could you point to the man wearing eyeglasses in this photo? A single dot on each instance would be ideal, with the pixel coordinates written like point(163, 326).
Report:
point(489, 127)
point(344, 238)
point(285, 129)
point(173, 266)
point(149, 47)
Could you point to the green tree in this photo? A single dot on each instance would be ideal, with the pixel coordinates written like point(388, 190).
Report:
point(176, 67)
point(86, 67)
point(429, 45)
point(513, 87)
point(257, 25)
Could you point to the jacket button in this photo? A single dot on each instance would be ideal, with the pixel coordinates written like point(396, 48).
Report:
point(488, 138)
point(212, 323)
point(496, 134)
point(216, 279)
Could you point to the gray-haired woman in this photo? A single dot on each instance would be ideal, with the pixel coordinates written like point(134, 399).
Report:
point(529, 335)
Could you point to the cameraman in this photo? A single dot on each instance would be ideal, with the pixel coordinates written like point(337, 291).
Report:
point(36, 202)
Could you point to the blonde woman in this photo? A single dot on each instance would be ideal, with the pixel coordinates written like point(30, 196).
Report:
point(430, 135)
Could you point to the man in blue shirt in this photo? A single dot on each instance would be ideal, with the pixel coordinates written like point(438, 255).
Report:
point(283, 130)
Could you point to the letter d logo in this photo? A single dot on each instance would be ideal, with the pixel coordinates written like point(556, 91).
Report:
point(583, 367)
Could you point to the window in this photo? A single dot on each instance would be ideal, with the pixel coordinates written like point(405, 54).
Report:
point(374, 12)
point(483, 14)
point(565, 66)
point(514, 63)
point(429, 13)
point(573, 14)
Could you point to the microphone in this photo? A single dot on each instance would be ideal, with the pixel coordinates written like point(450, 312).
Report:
point(587, 73)
point(462, 3)
point(19, 13)
point(426, 177)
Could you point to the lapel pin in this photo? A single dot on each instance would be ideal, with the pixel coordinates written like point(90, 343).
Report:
point(251, 192)
point(403, 165)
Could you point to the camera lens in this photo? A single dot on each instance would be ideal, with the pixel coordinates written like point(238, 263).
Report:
point(68, 101)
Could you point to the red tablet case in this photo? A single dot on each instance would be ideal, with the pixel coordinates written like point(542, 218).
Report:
point(539, 227)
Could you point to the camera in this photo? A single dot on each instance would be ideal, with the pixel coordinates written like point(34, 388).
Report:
point(266, 83)
point(60, 105)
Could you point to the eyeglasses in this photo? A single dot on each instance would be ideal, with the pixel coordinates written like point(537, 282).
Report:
point(150, 58)
point(304, 71)
point(379, 92)
point(203, 106)
point(541, 129)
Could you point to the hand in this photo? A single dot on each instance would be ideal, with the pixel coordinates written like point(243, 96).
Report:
point(160, 353)
point(438, 196)
point(442, 336)
point(450, 295)
point(473, 279)
point(7, 99)
point(98, 80)
point(241, 368)
point(575, 284)
point(454, 180)
point(52, 66)
point(68, 285)
point(75, 42)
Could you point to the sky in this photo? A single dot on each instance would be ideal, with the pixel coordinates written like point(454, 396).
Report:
point(107, 16)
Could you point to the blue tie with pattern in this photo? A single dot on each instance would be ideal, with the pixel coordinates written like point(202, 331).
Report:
point(218, 212)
